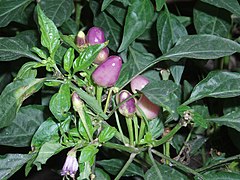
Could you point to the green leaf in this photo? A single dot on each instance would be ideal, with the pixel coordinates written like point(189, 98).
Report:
point(165, 94)
point(211, 20)
point(169, 31)
point(12, 48)
point(159, 4)
point(82, 129)
point(50, 37)
point(59, 55)
point(137, 61)
point(27, 71)
point(176, 72)
point(45, 132)
point(168, 173)
point(70, 41)
point(12, 10)
point(138, 15)
point(106, 134)
point(20, 132)
point(105, 4)
point(5, 79)
point(231, 120)
point(101, 175)
point(201, 47)
point(111, 28)
point(156, 127)
point(47, 150)
point(68, 59)
point(230, 5)
point(58, 11)
point(69, 27)
point(218, 84)
point(10, 163)
point(222, 175)
point(196, 144)
point(88, 153)
point(60, 103)
point(114, 166)
point(13, 95)
point(118, 12)
point(86, 57)
point(39, 52)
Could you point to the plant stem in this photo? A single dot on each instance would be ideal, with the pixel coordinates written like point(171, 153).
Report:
point(108, 100)
point(154, 164)
point(78, 14)
point(135, 122)
point(178, 164)
point(119, 127)
point(219, 163)
point(142, 129)
point(168, 136)
point(132, 156)
point(83, 119)
point(120, 147)
point(166, 148)
point(99, 95)
point(130, 130)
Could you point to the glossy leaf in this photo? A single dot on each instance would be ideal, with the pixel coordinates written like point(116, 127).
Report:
point(68, 60)
point(20, 132)
point(10, 163)
point(113, 166)
point(70, 41)
point(218, 84)
point(45, 132)
point(176, 72)
point(12, 10)
point(159, 4)
point(105, 4)
point(60, 103)
point(13, 96)
point(211, 20)
point(101, 174)
point(230, 5)
point(39, 52)
point(86, 57)
point(167, 172)
point(118, 12)
point(165, 94)
point(50, 37)
point(27, 71)
point(12, 48)
point(82, 129)
point(69, 27)
point(156, 127)
point(4, 80)
point(58, 11)
point(106, 134)
point(202, 47)
point(231, 120)
point(169, 31)
point(222, 175)
point(138, 16)
point(88, 153)
point(136, 63)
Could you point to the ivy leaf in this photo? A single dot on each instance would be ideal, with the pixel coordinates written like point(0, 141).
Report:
point(13, 95)
point(217, 84)
point(138, 15)
point(20, 132)
point(50, 37)
point(12, 10)
point(59, 11)
point(10, 163)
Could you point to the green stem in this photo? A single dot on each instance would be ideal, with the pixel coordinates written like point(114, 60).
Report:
point(167, 151)
point(130, 130)
point(155, 165)
point(119, 128)
point(99, 95)
point(132, 156)
point(219, 163)
point(108, 100)
point(178, 164)
point(120, 147)
point(142, 129)
point(83, 119)
point(135, 122)
point(78, 14)
point(168, 136)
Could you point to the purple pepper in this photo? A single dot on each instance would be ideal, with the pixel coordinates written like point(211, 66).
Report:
point(95, 35)
point(106, 74)
point(138, 83)
point(128, 108)
point(102, 56)
point(81, 39)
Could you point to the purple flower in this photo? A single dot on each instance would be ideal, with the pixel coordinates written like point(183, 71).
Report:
point(128, 108)
point(102, 56)
point(106, 74)
point(95, 35)
point(138, 83)
point(71, 165)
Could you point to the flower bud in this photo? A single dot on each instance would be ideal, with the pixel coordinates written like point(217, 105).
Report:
point(106, 74)
point(102, 56)
point(77, 102)
point(70, 166)
point(128, 108)
point(150, 109)
point(95, 35)
point(81, 40)
point(138, 83)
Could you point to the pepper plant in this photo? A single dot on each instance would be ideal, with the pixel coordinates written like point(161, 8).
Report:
point(132, 89)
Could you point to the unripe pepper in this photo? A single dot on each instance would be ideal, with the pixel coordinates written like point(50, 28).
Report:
point(81, 39)
point(107, 74)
